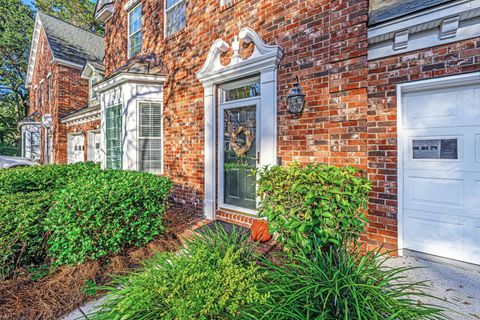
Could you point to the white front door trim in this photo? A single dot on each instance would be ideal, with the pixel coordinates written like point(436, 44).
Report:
point(436, 83)
point(264, 61)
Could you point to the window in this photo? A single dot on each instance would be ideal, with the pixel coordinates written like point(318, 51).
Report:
point(435, 149)
point(36, 98)
point(42, 94)
point(135, 31)
point(50, 89)
point(150, 137)
point(35, 144)
point(175, 16)
point(114, 137)
point(93, 94)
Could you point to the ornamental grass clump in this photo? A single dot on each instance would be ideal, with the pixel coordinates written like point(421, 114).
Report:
point(313, 205)
point(214, 277)
point(340, 284)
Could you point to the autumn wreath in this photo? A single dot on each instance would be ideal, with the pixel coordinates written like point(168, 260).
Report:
point(240, 151)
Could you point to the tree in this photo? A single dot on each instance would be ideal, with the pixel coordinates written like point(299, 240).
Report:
point(15, 33)
point(78, 12)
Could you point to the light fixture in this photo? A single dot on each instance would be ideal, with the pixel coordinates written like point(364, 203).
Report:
point(296, 98)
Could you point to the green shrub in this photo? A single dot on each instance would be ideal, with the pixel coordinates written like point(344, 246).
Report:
point(213, 278)
point(312, 204)
point(22, 237)
point(42, 178)
point(340, 285)
point(100, 214)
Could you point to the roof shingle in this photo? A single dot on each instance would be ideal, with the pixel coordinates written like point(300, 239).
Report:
point(384, 10)
point(71, 43)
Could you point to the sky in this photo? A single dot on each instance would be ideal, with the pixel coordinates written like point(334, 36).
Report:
point(27, 1)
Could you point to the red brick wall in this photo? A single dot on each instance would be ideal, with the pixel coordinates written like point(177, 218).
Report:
point(383, 77)
point(83, 128)
point(70, 93)
point(325, 44)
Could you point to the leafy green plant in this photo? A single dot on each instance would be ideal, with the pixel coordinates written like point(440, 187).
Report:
point(96, 215)
point(43, 178)
point(22, 234)
point(213, 278)
point(340, 284)
point(314, 204)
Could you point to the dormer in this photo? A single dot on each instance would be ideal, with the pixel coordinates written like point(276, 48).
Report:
point(94, 73)
point(104, 10)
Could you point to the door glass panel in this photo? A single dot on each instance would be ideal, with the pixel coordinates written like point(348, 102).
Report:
point(240, 157)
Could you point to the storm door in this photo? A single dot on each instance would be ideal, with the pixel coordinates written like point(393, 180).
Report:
point(239, 152)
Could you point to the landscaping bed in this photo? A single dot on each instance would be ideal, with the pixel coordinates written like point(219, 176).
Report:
point(69, 287)
point(64, 229)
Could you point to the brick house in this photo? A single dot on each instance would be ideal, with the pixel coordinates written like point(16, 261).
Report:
point(198, 92)
point(59, 89)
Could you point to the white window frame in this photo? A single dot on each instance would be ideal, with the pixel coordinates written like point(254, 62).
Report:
point(35, 92)
point(139, 31)
point(42, 93)
point(50, 88)
point(161, 138)
point(167, 11)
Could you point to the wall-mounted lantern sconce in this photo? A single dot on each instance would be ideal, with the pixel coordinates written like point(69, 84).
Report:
point(296, 98)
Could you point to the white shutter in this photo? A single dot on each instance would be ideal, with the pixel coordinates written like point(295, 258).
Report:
point(150, 137)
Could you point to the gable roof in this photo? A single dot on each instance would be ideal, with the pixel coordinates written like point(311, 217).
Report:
point(68, 43)
point(385, 10)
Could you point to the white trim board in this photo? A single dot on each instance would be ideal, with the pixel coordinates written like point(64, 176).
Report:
point(264, 62)
point(454, 21)
point(436, 83)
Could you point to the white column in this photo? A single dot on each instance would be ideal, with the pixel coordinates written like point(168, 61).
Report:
point(268, 117)
point(210, 152)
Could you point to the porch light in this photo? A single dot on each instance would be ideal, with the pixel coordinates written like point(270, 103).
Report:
point(296, 98)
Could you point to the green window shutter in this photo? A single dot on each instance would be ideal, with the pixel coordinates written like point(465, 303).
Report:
point(150, 137)
point(114, 137)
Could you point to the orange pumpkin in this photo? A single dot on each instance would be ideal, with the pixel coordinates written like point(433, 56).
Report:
point(259, 231)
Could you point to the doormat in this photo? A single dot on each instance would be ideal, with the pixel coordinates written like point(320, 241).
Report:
point(228, 227)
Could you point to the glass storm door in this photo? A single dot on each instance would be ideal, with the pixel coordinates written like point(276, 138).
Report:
point(238, 146)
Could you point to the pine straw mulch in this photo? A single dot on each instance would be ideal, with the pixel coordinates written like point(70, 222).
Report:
point(63, 291)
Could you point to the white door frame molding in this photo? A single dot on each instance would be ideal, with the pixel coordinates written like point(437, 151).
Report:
point(421, 85)
point(264, 62)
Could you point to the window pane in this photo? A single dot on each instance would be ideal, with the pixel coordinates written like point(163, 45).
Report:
point(251, 90)
point(170, 3)
point(176, 18)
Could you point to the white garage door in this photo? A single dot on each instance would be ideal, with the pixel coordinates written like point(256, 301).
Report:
point(76, 148)
point(441, 168)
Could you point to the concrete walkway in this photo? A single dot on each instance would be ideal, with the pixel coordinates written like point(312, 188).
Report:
point(450, 281)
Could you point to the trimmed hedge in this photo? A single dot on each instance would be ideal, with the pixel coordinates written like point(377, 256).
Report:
point(22, 234)
point(42, 178)
point(314, 204)
point(100, 214)
point(71, 213)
